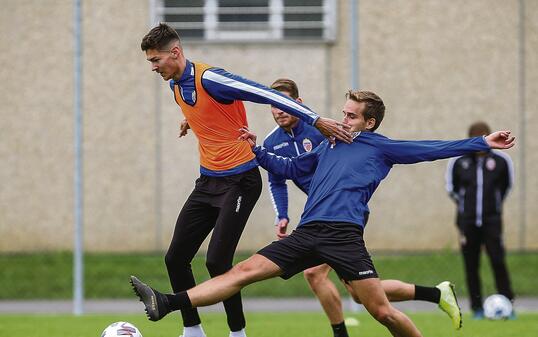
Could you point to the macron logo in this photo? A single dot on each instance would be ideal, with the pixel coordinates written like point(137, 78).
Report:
point(238, 204)
point(366, 272)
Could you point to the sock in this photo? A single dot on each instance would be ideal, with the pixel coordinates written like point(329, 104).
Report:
point(339, 330)
point(193, 331)
point(179, 301)
point(429, 294)
point(240, 333)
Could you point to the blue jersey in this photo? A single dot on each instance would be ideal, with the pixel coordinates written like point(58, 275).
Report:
point(302, 138)
point(345, 176)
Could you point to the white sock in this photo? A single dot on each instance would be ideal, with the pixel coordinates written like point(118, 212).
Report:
point(240, 333)
point(193, 331)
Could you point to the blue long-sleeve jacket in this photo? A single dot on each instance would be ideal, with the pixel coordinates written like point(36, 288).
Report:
point(345, 176)
point(302, 138)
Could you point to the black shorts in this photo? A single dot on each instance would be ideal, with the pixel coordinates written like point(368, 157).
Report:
point(339, 244)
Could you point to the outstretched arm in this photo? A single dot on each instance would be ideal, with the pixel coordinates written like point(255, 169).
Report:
point(227, 87)
point(409, 152)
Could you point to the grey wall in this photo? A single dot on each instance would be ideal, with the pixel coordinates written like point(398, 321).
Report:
point(438, 66)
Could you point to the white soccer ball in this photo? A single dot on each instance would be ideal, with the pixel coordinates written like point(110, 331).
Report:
point(497, 307)
point(121, 329)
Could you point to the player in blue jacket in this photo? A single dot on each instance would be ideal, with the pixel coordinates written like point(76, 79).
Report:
point(291, 138)
point(331, 227)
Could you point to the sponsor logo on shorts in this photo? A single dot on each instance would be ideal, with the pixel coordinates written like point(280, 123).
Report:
point(366, 272)
point(238, 204)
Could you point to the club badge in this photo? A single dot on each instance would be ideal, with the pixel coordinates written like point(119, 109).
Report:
point(490, 164)
point(307, 145)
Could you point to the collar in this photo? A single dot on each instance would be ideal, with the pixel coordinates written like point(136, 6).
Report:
point(298, 128)
point(356, 134)
point(188, 72)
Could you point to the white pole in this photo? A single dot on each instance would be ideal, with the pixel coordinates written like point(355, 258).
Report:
point(78, 262)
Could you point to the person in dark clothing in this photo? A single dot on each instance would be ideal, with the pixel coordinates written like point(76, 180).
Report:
point(479, 183)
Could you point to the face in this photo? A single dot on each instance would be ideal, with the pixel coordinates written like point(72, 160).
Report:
point(283, 119)
point(166, 62)
point(353, 116)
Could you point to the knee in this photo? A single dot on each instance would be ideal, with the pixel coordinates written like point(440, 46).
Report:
point(314, 278)
point(244, 272)
point(383, 314)
point(216, 266)
point(173, 260)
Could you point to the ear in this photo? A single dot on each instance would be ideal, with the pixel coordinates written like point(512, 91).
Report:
point(299, 100)
point(370, 123)
point(176, 51)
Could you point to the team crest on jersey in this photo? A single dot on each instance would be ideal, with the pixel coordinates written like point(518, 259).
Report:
point(307, 145)
point(490, 164)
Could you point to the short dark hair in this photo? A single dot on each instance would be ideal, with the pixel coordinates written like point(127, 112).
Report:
point(375, 108)
point(287, 85)
point(159, 37)
point(479, 128)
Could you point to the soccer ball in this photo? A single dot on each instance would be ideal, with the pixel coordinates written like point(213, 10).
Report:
point(121, 329)
point(497, 307)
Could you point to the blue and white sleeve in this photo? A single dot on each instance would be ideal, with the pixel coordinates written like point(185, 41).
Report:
point(226, 87)
point(410, 152)
point(278, 191)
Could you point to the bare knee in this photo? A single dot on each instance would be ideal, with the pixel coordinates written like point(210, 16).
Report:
point(244, 272)
point(314, 277)
point(384, 314)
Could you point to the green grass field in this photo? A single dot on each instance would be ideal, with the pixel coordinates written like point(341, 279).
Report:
point(259, 325)
point(106, 275)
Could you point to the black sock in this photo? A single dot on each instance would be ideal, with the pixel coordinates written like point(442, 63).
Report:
point(179, 301)
point(339, 330)
point(430, 294)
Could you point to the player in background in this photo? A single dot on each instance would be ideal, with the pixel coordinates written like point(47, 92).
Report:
point(211, 100)
point(479, 183)
point(331, 228)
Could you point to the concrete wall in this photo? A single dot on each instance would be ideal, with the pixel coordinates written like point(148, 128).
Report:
point(438, 65)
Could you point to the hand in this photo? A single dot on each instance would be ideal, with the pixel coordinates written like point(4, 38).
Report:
point(183, 127)
point(248, 136)
point(500, 140)
point(281, 228)
point(334, 130)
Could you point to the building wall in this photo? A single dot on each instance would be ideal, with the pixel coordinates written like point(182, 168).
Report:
point(438, 66)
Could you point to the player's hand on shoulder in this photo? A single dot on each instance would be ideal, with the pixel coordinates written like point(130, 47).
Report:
point(183, 127)
point(281, 228)
point(247, 136)
point(500, 140)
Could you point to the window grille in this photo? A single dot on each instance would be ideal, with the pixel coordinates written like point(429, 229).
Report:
point(250, 20)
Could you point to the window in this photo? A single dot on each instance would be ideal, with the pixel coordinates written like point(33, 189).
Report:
point(250, 20)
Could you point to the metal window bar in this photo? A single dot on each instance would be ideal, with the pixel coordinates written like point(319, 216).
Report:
point(270, 30)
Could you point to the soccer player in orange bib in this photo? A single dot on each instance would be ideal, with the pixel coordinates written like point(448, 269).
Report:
point(211, 100)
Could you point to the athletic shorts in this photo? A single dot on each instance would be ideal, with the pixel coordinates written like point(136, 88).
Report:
point(339, 244)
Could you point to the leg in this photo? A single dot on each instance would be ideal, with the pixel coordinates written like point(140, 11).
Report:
point(496, 253)
point(470, 247)
point(371, 295)
point(254, 269)
point(194, 223)
point(233, 216)
point(325, 290)
point(158, 305)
